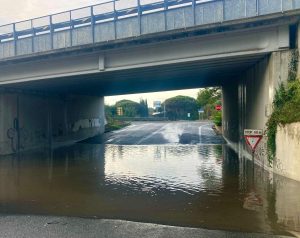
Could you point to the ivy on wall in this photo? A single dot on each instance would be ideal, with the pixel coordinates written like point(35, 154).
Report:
point(286, 105)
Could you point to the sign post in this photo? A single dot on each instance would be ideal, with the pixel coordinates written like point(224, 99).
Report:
point(201, 114)
point(119, 111)
point(253, 137)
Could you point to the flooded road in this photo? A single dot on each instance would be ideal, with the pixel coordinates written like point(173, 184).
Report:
point(183, 183)
point(154, 133)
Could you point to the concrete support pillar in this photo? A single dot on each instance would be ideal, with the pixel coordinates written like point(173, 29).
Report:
point(247, 100)
point(230, 112)
point(260, 83)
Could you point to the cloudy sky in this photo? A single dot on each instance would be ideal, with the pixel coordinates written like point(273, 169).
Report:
point(17, 10)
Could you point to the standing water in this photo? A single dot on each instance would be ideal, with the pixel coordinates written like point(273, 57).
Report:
point(203, 186)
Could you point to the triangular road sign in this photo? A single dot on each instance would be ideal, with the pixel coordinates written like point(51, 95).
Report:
point(253, 141)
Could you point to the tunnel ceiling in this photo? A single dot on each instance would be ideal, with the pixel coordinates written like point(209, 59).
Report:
point(147, 79)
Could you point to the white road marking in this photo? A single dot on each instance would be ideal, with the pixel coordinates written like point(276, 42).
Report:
point(152, 134)
point(119, 134)
point(200, 132)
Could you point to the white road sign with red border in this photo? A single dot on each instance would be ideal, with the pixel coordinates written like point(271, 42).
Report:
point(253, 137)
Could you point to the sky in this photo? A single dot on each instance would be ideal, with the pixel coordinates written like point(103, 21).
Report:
point(18, 10)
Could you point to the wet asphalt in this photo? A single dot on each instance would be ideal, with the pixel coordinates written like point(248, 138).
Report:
point(67, 227)
point(153, 133)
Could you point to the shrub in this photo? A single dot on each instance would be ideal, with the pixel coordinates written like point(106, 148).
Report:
point(217, 118)
point(286, 106)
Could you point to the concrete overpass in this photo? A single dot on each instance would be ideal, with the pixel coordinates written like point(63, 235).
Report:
point(56, 69)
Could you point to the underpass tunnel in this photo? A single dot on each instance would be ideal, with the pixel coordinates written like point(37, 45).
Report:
point(77, 102)
point(62, 94)
point(247, 92)
point(57, 99)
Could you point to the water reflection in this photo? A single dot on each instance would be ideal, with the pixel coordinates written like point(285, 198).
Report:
point(169, 168)
point(187, 185)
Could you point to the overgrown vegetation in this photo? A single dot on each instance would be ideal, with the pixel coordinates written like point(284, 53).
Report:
point(218, 118)
point(113, 125)
point(286, 106)
point(207, 100)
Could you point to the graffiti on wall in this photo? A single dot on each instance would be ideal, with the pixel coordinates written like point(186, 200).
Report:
point(17, 136)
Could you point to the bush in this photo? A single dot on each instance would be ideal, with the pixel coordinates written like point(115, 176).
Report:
point(115, 125)
point(207, 99)
point(217, 118)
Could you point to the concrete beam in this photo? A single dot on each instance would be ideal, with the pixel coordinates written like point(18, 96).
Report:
point(179, 53)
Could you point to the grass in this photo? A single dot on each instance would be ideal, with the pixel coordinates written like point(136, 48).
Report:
point(114, 125)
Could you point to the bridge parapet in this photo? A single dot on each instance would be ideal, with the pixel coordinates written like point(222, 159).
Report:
point(115, 20)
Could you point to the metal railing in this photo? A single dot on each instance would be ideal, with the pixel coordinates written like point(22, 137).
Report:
point(110, 13)
point(70, 20)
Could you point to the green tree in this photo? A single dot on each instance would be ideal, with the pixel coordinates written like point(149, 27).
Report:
point(130, 108)
point(178, 107)
point(110, 112)
point(207, 100)
point(143, 110)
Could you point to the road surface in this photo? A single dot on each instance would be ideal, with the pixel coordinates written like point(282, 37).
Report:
point(68, 227)
point(149, 133)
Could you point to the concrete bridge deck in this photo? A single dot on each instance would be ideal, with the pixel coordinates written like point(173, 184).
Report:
point(116, 20)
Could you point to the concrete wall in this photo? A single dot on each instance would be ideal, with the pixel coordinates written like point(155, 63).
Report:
point(47, 120)
point(280, 197)
point(248, 99)
point(287, 192)
point(230, 114)
point(287, 161)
